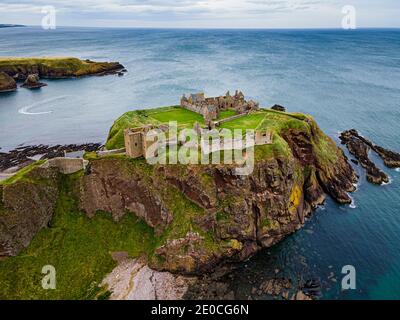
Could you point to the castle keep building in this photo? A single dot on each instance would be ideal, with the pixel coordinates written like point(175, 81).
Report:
point(211, 107)
point(136, 144)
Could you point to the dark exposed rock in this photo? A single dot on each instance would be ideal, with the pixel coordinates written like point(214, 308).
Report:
point(188, 181)
point(360, 148)
point(278, 107)
point(22, 155)
point(275, 287)
point(312, 288)
point(209, 288)
point(32, 82)
point(335, 180)
point(184, 255)
point(109, 189)
point(7, 83)
point(390, 158)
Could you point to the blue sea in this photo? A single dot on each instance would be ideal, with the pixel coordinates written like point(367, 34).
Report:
point(345, 79)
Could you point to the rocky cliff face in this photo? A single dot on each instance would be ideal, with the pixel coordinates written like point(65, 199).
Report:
point(203, 216)
point(236, 216)
point(7, 83)
point(26, 206)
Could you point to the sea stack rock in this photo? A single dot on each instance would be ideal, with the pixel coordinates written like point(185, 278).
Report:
point(32, 82)
point(7, 83)
point(278, 107)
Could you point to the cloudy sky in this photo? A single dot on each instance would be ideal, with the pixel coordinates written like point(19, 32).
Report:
point(203, 13)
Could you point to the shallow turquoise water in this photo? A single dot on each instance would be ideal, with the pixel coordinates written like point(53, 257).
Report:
point(344, 79)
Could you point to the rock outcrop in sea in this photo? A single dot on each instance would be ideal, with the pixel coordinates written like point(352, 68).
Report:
point(33, 82)
point(360, 147)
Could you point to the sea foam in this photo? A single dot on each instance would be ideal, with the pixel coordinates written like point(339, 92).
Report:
point(25, 110)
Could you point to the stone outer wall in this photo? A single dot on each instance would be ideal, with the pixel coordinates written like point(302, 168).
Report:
point(236, 116)
point(110, 152)
point(66, 165)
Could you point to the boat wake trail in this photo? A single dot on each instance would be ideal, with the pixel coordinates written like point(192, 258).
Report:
point(26, 110)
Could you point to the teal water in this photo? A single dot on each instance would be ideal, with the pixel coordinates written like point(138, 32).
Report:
point(345, 79)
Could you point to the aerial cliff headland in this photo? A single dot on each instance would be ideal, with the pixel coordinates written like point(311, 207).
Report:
point(114, 216)
point(184, 219)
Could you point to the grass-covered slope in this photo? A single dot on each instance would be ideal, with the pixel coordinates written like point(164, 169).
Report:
point(54, 67)
point(78, 247)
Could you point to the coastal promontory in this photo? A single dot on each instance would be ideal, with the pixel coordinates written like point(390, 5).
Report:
point(181, 219)
point(56, 67)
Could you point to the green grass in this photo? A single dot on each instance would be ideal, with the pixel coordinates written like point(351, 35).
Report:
point(226, 114)
point(22, 174)
point(185, 118)
point(130, 119)
point(264, 119)
point(251, 121)
point(78, 247)
point(140, 118)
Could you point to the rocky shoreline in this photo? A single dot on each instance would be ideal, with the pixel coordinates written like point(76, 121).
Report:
point(132, 279)
point(7, 83)
point(24, 155)
point(360, 147)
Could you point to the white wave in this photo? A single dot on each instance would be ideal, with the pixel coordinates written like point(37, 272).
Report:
point(353, 203)
point(387, 183)
point(25, 110)
point(397, 169)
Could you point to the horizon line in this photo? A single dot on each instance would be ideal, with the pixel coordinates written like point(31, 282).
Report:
point(209, 28)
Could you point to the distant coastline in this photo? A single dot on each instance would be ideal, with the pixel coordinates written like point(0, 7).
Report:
point(11, 25)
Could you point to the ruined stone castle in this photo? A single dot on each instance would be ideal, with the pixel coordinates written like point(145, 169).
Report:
point(136, 144)
point(210, 108)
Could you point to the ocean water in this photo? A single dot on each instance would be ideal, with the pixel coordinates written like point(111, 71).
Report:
point(345, 79)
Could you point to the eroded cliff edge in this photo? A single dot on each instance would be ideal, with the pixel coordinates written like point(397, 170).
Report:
point(206, 215)
point(194, 218)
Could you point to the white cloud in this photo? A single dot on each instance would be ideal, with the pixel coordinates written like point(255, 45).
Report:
point(218, 13)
